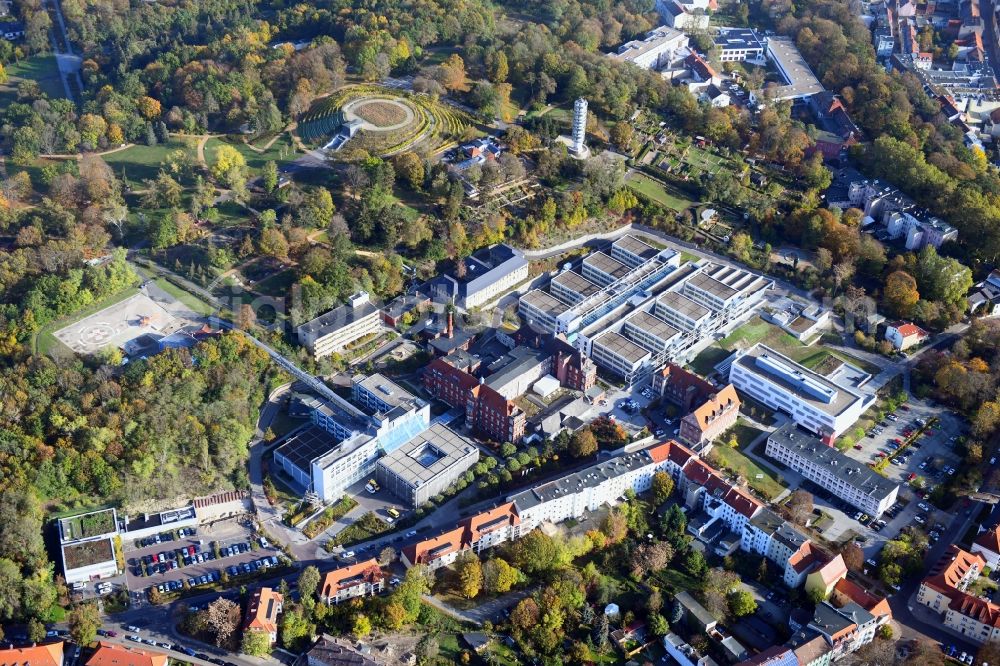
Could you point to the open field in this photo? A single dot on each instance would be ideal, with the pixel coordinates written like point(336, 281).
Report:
point(282, 150)
point(761, 479)
point(46, 341)
point(380, 113)
point(140, 162)
point(117, 324)
point(42, 69)
point(650, 188)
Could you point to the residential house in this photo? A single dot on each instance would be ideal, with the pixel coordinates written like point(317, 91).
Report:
point(436, 552)
point(904, 335)
point(697, 616)
point(984, 298)
point(262, 612)
point(329, 651)
point(944, 591)
point(363, 579)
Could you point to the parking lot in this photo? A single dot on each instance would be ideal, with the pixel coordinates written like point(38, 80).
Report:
point(193, 556)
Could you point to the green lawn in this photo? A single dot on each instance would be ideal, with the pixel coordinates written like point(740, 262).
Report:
point(45, 341)
point(141, 162)
point(194, 303)
point(761, 479)
point(281, 151)
point(656, 191)
point(40, 68)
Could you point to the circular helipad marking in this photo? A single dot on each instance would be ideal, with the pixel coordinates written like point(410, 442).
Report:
point(97, 334)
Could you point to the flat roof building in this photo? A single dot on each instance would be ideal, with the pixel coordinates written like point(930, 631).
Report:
point(488, 273)
point(618, 354)
point(571, 287)
point(827, 467)
point(541, 310)
point(650, 332)
point(738, 45)
point(600, 268)
point(802, 82)
point(427, 464)
point(812, 400)
point(340, 327)
point(658, 48)
point(632, 251)
point(378, 393)
point(681, 312)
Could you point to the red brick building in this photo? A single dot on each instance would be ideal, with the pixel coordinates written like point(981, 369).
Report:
point(486, 411)
point(571, 367)
point(681, 387)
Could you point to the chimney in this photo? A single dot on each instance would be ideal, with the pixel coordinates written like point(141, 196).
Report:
point(451, 325)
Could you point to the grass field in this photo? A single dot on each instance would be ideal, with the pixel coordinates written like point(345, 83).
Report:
point(141, 162)
point(194, 303)
point(280, 151)
point(761, 479)
point(41, 69)
point(45, 340)
point(656, 191)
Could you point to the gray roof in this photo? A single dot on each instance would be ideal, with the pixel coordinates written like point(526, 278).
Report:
point(575, 282)
point(634, 245)
point(694, 608)
point(767, 521)
point(606, 264)
point(387, 390)
point(335, 319)
point(544, 301)
point(489, 265)
point(802, 82)
point(810, 447)
point(704, 282)
point(684, 305)
point(808, 386)
point(829, 620)
point(519, 361)
point(621, 346)
point(653, 325)
point(738, 38)
point(429, 454)
point(590, 477)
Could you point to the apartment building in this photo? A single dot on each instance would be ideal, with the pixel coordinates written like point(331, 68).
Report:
point(364, 579)
point(769, 535)
point(813, 401)
point(426, 465)
point(573, 495)
point(477, 533)
point(109, 654)
point(683, 313)
point(987, 546)
point(851, 481)
point(262, 612)
point(712, 418)
point(332, 332)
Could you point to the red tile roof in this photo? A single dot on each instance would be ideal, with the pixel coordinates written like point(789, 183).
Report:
point(262, 613)
point(725, 400)
point(990, 540)
point(803, 559)
point(108, 654)
point(671, 450)
point(832, 570)
point(978, 609)
point(908, 329)
point(742, 502)
point(877, 606)
point(349, 576)
point(481, 524)
point(953, 566)
point(49, 654)
point(431, 549)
